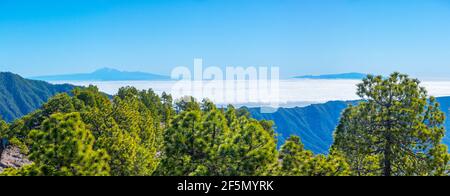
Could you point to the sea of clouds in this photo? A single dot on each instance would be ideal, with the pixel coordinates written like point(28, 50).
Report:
point(289, 93)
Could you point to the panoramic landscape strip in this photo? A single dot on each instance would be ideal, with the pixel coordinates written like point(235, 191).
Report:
point(223, 96)
point(395, 128)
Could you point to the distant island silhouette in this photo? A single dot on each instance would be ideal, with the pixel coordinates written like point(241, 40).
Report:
point(104, 74)
point(348, 76)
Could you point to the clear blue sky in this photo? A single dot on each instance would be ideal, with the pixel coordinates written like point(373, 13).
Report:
point(301, 36)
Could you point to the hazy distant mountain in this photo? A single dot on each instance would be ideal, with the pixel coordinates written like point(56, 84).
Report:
point(315, 124)
point(347, 76)
point(105, 74)
point(19, 96)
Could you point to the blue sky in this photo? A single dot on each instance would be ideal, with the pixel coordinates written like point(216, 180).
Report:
point(300, 36)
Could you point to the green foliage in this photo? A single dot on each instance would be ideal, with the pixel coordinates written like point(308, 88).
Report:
point(22, 147)
point(293, 157)
point(203, 140)
point(61, 103)
point(134, 138)
point(20, 128)
point(250, 149)
point(64, 147)
point(296, 161)
point(167, 110)
point(182, 154)
point(396, 130)
point(3, 128)
point(128, 128)
point(186, 104)
point(27, 170)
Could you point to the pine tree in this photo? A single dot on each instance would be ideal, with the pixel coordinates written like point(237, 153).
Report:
point(201, 142)
point(64, 147)
point(250, 149)
point(396, 126)
point(187, 103)
point(3, 128)
point(26, 170)
point(128, 156)
point(61, 103)
point(214, 133)
point(126, 129)
point(296, 161)
point(182, 154)
point(294, 158)
point(20, 129)
point(167, 110)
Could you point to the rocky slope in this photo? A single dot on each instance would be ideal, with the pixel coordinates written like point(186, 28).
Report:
point(12, 158)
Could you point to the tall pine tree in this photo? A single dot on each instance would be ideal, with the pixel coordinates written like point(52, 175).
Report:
point(396, 126)
point(64, 147)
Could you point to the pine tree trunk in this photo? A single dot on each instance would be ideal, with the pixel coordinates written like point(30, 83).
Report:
point(387, 158)
point(387, 171)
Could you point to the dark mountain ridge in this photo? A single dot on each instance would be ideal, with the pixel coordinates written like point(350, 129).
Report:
point(19, 96)
point(316, 123)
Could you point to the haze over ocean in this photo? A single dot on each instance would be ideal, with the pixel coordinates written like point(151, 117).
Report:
point(292, 93)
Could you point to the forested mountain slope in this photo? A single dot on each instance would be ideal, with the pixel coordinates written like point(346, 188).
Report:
point(19, 96)
point(315, 124)
point(445, 107)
